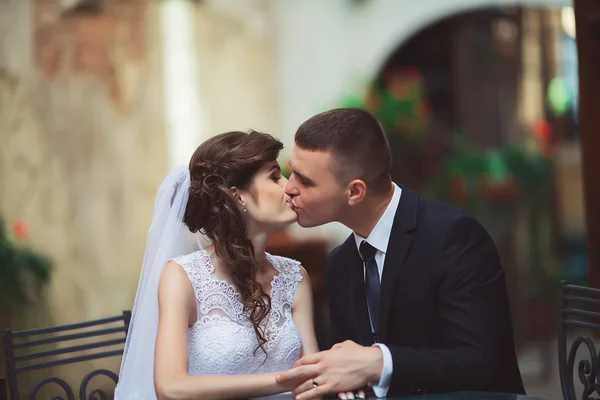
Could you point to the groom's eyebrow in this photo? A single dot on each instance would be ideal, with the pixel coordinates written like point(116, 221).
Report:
point(303, 178)
point(306, 180)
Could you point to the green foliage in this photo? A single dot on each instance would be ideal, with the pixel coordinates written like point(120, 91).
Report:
point(529, 171)
point(22, 272)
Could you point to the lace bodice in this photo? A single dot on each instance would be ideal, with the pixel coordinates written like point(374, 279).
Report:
point(222, 341)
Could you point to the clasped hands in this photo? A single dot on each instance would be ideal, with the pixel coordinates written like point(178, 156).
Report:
point(345, 369)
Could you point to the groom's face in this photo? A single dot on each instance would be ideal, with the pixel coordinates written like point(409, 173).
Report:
point(316, 195)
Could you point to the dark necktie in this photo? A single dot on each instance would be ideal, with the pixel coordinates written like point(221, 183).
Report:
point(372, 285)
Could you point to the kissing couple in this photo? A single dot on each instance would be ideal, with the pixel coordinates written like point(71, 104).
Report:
point(418, 299)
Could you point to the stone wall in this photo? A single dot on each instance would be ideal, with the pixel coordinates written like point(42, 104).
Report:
point(238, 72)
point(83, 137)
point(82, 146)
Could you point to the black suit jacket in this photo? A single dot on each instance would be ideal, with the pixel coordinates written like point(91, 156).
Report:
point(444, 308)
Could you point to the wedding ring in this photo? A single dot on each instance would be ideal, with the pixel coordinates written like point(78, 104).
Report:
point(314, 383)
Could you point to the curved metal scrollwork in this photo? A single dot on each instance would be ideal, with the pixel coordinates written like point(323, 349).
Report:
point(587, 370)
point(96, 394)
point(60, 382)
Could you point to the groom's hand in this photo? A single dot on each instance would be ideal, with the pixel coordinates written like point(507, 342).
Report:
point(345, 368)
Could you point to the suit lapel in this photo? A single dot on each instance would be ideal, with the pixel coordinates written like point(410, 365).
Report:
point(401, 239)
point(358, 299)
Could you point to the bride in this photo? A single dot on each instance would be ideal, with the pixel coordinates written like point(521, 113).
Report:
point(219, 320)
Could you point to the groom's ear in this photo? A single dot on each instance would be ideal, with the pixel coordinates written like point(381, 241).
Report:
point(356, 191)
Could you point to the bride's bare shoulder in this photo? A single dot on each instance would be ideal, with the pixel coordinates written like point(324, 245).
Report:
point(173, 273)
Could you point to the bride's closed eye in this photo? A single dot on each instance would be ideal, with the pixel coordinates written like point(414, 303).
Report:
point(275, 178)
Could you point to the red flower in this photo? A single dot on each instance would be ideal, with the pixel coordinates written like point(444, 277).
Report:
point(542, 129)
point(20, 229)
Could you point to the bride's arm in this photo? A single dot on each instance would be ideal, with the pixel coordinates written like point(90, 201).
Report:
point(177, 306)
point(302, 312)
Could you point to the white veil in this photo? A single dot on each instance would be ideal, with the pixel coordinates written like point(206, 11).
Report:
point(168, 237)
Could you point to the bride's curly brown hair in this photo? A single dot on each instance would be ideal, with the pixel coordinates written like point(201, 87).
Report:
point(223, 161)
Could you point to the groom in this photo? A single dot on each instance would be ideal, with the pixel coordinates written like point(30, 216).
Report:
point(418, 300)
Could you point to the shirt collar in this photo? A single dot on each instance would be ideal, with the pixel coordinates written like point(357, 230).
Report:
point(380, 235)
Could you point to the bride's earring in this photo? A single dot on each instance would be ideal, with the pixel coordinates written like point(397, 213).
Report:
point(246, 218)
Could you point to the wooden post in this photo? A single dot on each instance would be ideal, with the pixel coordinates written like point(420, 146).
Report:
point(587, 17)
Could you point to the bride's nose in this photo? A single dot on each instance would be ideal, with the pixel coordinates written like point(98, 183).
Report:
point(290, 189)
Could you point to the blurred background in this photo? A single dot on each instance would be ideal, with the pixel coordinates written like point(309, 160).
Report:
point(99, 99)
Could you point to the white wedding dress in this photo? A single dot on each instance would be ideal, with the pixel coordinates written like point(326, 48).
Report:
point(222, 341)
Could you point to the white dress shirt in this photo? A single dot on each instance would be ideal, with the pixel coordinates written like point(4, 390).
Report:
point(379, 239)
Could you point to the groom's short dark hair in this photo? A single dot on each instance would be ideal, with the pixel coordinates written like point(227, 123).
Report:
point(356, 141)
